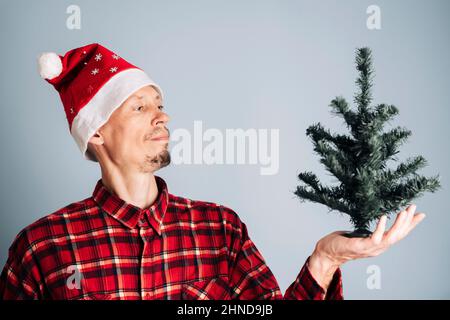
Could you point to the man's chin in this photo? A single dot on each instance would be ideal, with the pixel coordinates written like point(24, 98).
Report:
point(156, 162)
point(164, 159)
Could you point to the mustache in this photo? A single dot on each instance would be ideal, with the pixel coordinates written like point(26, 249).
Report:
point(159, 131)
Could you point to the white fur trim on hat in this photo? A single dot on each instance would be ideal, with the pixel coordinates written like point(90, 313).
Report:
point(50, 65)
point(98, 110)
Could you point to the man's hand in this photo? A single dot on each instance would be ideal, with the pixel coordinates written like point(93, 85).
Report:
point(335, 249)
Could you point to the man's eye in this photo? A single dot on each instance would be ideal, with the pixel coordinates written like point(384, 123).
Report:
point(139, 108)
point(161, 107)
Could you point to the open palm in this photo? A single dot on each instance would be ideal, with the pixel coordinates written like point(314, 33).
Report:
point(340, 249)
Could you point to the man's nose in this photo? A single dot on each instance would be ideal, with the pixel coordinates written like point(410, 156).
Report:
point(161, 118)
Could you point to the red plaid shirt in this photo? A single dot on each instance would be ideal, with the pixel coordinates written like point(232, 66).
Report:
point(105, 248)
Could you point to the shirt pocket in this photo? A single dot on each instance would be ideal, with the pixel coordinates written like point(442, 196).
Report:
point(207, 289)
point(90, 289)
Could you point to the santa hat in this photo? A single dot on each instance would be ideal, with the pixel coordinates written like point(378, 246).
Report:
point(92, 82)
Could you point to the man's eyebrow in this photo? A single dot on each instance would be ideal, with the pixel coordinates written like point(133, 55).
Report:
point(157, 97)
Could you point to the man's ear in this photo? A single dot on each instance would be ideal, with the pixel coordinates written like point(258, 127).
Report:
point(97, 138)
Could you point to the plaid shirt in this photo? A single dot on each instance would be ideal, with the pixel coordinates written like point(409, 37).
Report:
point(105, 248)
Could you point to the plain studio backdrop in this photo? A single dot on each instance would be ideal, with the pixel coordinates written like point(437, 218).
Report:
point(250, 65)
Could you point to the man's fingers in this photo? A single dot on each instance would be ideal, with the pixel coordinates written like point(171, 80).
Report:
point(377, 235)
point(409, 217)
point(418, 217)
point(393, 232)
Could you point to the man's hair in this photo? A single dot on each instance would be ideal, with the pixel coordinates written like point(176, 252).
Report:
point(91, 152)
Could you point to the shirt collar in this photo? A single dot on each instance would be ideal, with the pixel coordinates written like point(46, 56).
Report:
point(129, 214)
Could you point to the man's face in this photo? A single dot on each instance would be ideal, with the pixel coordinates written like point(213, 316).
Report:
point(136, 134)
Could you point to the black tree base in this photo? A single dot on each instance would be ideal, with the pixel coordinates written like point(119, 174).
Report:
point(359, 233)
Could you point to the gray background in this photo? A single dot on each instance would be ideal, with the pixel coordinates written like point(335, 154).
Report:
point(240, 64)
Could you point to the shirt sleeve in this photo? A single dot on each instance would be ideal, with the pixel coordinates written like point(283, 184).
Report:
point(17, 280)
point(305, 287)
point(250, 278)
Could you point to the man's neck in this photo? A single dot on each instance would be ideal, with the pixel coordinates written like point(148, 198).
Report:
point(137, 189)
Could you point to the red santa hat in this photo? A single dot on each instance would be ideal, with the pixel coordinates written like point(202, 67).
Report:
point(92, 82)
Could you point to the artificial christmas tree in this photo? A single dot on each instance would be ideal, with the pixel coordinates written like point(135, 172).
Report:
point(367, 187)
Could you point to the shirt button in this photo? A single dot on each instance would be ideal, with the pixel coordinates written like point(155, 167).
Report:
point(141, 218)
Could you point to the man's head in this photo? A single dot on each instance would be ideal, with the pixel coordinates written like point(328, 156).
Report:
point(113, 108)
point(135, 135)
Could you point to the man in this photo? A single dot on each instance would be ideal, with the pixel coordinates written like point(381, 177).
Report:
point(132, 239)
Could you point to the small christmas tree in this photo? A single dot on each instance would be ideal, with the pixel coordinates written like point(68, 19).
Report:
point(367, 187)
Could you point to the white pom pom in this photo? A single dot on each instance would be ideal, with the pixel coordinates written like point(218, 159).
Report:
point(50, 65)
